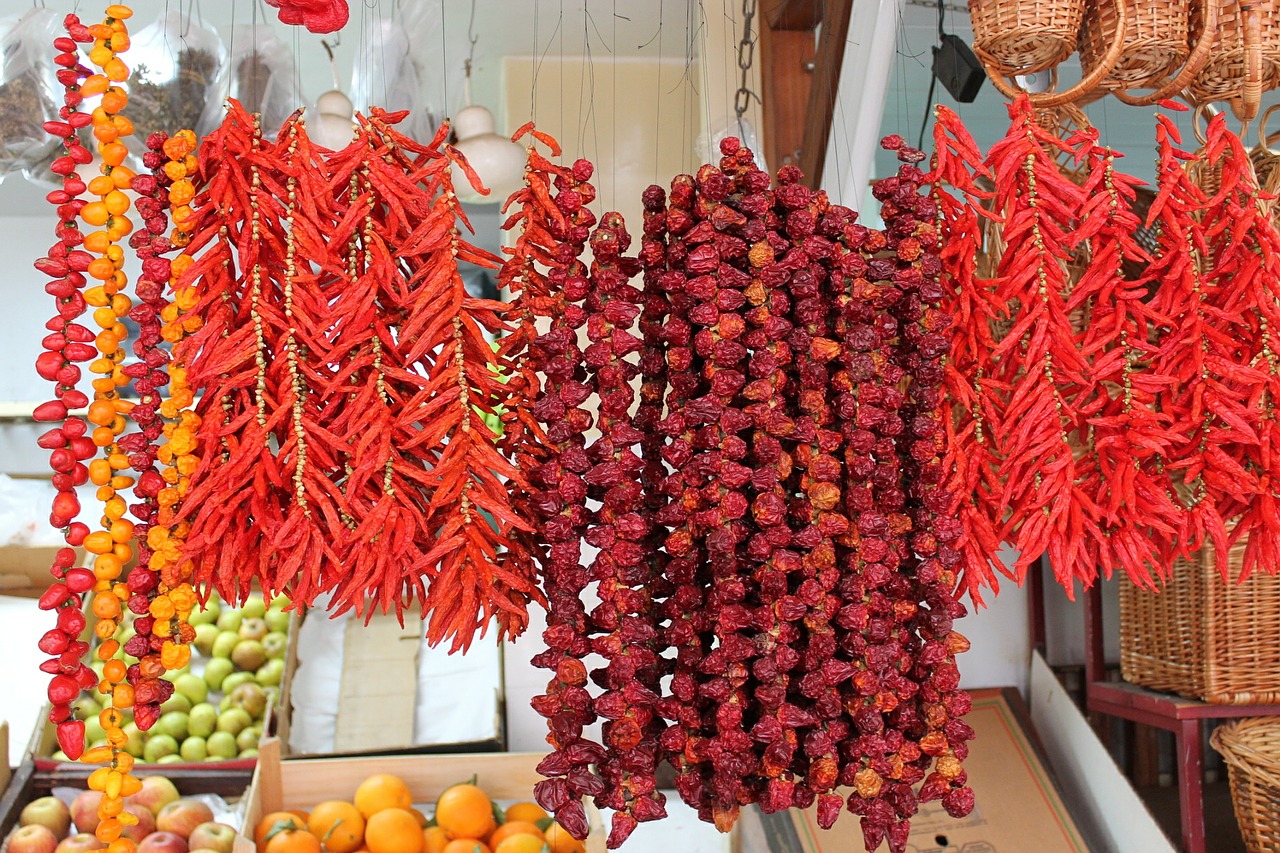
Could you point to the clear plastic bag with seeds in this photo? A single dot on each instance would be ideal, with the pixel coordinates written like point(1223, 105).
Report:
point(262, 75)
point(176, 64)
point(385, 75)
point(28, 93)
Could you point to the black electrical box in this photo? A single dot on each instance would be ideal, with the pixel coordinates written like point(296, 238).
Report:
point(956, 67)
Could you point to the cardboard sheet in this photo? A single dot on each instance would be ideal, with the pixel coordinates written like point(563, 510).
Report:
point(1019, 809)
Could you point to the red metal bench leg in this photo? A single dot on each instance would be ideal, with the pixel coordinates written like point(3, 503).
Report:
point(1190, 779)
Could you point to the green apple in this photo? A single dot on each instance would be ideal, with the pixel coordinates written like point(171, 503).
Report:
point(174, 724)
point(193, 687)
point(235, 679)
point(208, 615)
point(224, 704)
point(60, 756)
point(224, 644)
point(229, 620)
point(216, 671)
point(134, 745)
point(275, 644)
point(271, 673)
point(253, 628)
point(254, 608)
point(233, 721)
point(176, 702)
point(248, 738)
point(248, 655)
point(158, 747)
point(175, 758)
point(88, 707)
point(203, 720)
point(277, 620)
point(221, 745)
point(249, 753)
point(194, 749)
point(93, 730)
point(206, 634)
point(249, 698)
point(273, 694)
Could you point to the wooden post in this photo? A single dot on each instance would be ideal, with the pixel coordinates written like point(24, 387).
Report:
point(786, 77)
point(822, 95)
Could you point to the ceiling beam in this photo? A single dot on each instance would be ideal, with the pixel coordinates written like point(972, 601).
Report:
point(792, 14)
point(822, 95)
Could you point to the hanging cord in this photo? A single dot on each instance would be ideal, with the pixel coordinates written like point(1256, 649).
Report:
point(472, 38)
point(746, 57)
point(933, 76)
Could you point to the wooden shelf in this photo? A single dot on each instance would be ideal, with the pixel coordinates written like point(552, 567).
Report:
point(1179, 715)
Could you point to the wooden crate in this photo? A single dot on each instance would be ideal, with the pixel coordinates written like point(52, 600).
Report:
point(377, 703)
point(301, 783)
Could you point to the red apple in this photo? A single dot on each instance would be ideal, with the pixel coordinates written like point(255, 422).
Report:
point(183, 816)
point(157, 792)
point(81, 842)
point(213, 836)
point(49, 812)
point(84, 811)
point(163, 842)
point(33, 838)
point(145, 826)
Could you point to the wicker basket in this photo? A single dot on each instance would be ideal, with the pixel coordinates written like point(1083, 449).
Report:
point(1203, 637)
point(1226, 75)
point(1021, 36)
point(1251, 749)
point(1155, 42)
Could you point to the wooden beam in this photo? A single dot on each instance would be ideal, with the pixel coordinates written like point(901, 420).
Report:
point(822, 97)
point(792, 14)
point(786, 76)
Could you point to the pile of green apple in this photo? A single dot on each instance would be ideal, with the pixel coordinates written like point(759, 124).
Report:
point(167, 823)
point(219, 704)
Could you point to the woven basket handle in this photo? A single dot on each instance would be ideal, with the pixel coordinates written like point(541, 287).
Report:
point(1246, 106)
point(1193, 66)
point(1259, 765)
point(1082, 89)
point(1264, 139)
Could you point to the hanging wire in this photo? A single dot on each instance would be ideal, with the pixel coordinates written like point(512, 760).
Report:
point(746, 58)
point(933, 77)
point(657, 95)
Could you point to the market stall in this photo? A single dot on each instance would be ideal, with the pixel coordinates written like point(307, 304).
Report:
point(498, 428)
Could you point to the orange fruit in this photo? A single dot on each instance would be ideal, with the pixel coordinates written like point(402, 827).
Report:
point(338, 825)
point(560, 841)
point(382, 791)
point(268, 821)
point(434, 840)
point(523, 844)
point(393, 831)
point(466, 845)
point(422, 819)
point(301, 814)
point(529, 812)
point(511, 828)
point(464, 811)
point(291, 841)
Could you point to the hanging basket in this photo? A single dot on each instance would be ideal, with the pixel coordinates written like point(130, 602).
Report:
point(1245, 59)
point(1022, 36)
point(996, 55)
point(1251, 749)
point(1265, 159)
point(1155, 42)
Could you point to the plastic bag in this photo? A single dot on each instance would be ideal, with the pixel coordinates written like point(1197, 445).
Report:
point(176, 63)
point(29, 92)
point(386, 76)
point(261, 74)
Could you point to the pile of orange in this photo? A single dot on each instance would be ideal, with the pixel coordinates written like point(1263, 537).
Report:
point(381, 819)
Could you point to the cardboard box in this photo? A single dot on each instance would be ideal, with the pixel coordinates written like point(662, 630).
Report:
point(24, 572)
point(300, 783)
point(377, 700)
point(1019, 807)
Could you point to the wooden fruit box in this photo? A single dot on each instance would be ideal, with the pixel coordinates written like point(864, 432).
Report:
point(44, 742)
point(302, 783)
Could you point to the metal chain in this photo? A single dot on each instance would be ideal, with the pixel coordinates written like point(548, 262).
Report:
point(746, 56)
